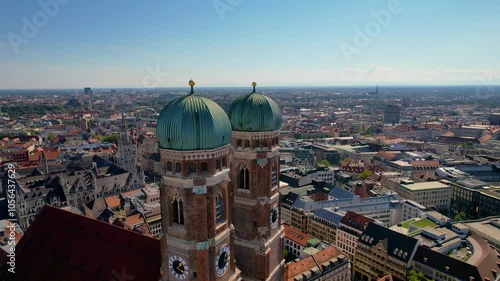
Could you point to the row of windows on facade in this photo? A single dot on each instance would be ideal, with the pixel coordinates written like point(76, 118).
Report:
point(178, 209)
point(193, 167)
point(239, 143)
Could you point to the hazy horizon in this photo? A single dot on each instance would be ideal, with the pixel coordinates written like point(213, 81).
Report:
point(153, 43)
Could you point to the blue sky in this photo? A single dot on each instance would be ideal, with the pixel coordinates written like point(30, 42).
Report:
point(143, 43)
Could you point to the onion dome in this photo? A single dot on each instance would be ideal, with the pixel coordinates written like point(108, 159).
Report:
point(193, 122)
point(255, 112)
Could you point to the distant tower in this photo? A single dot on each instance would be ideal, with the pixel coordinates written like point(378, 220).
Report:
point(88, 91)
point(406, 102)
point(494, 119)
point(194, 135)
point(84, 124)
point(43, 159)
point(392, 114)
point(127, 153)
point(374, 93)
point(256, 122)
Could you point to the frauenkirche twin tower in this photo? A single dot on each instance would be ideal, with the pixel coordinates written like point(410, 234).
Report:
point(219, 191)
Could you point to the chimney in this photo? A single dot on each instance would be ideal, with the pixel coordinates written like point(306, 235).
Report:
point(494, 272)
point(471, 278)
point(425, 259)
point(447, 268)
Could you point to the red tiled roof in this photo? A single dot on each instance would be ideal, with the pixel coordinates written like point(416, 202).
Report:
point(35, 156)
point(326, 254)
point(60, 245)
point(296, 235)
point(355, 220)
point(485, 138)
point(299, 267)
point(52, 155)
point(389, 155)
point(134, 219)
point(112, 201)
point(316, 260)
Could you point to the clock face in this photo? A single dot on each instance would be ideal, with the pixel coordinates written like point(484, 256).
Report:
point(273, 217)
point(222, 261)
point(178, 267)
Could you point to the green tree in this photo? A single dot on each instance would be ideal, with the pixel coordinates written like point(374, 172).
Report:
point(113, 138)
point(365, 174)
point(416, 276)
point(460, 216)
point(347, 159)
point(51, 137)
point(324, 162)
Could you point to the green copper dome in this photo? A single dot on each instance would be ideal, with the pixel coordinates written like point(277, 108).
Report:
point(193, 123)
point(255, 113)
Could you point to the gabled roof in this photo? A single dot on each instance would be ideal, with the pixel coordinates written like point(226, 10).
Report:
point(289, 198)
point(60, 245)
point(314, 261)
point(112, 201)
point(296, 235)
point(398, 245)
point(105, 215)
point(355, 220)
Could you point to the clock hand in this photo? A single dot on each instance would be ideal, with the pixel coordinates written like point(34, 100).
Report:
point(225, 257)
point(180, 267)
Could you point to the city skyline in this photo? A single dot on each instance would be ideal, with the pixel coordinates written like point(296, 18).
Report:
point(227, 43)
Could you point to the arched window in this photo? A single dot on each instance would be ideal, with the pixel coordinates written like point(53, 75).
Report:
point(272, 142)
point(220, 212)
point(257, 144)
point(169, 166)
point(223, 162)
point(204, 167)
point(247, 144)
point(264, 143)
point(244, 178)
point(177, 167)
point(217, 163)
point(178, 212)
point(238, 143)
point(192, 168)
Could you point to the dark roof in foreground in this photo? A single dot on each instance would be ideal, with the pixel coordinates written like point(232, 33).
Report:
point(397, 245)
point(449, 265)
point(60, 245)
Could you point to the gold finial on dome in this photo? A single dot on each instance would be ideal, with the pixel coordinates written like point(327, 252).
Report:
point(254, 84)
point(192, 83)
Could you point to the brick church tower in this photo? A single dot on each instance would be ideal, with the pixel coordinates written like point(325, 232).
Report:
point(256, 122)
point(194, 135)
